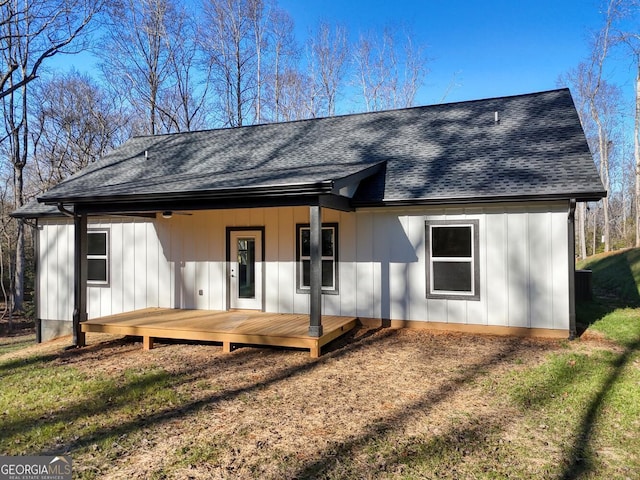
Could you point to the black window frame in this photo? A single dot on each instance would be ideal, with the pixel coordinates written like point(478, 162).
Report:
point(473, 260)
point(106, 257)
point(300, 288)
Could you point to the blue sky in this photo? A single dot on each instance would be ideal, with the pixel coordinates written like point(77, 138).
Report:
point(491, 48)
point(485, 49)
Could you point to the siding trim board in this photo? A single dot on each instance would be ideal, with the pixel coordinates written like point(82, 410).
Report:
point(468, 329)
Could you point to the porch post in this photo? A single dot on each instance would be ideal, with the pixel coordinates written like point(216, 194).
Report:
point(79, 277)
point(315, 301)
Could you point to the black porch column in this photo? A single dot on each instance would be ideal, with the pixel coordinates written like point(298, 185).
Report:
point(315, 305)
point(79, 277)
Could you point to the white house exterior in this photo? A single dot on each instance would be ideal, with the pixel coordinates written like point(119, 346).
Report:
point(180, 262)
point(485, 248)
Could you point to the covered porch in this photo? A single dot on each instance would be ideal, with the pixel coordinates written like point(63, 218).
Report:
point(231, 328)
point(152, 178)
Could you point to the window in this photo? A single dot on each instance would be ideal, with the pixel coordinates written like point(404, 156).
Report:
point(452, 260)
point(329, 258)
point(98, 256)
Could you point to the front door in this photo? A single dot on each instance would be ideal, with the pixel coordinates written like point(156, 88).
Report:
point(245, 269)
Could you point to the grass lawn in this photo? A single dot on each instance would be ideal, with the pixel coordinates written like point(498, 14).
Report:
point(382, 403)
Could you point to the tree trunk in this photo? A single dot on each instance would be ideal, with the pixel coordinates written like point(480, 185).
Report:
point(276, 86)
point(603, 145)
point(595, 231)
point(582, 241)
point(257, 28)
point(18, 279)
point(238, 85)
point(18, 273)
point(636, 151)
point(19, 148)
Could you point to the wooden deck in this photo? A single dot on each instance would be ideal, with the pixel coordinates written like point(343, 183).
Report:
point(231, 328)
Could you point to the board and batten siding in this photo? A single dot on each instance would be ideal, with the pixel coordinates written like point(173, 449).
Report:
point(138, 273)
point(523, 261)
point(180, 262)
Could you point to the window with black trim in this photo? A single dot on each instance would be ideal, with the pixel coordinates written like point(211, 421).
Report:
point(452, 260)
point(98, 256)
point(329, 257)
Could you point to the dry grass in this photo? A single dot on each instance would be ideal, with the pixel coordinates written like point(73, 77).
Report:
point(380, 404)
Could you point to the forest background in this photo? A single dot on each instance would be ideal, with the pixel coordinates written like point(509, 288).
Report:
point(165, 66)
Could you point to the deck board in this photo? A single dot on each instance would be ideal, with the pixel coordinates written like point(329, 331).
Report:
point(231, 328)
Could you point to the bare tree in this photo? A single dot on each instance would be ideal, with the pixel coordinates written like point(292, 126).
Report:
point(636, 149)
point(183, 100)
point(74, 123)
point(600, 114)
point(230, 43)
point(625, 35)
point(283, 75)
point(328, 54)
point(138, 50)
point(31, 33)
point(52, 26)
point(260, 24)
point(595, 94)
point(295, 91)
point(389, 69)
point(599, 55)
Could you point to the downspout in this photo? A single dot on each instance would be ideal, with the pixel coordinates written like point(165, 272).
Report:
point(572, 268)
point(64, 211)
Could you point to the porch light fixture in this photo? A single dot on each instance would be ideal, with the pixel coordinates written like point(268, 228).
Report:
point(167, 214)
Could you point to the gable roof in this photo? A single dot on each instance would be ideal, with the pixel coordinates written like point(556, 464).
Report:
point(446, 153)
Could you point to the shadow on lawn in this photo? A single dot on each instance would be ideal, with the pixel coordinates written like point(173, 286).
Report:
point(119, 395)
point(452, 444)
point(580, 455)
point(116, 396)
point(615, 287)
point(65, 356)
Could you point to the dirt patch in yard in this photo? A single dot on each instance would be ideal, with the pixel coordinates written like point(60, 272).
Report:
point(379, 403)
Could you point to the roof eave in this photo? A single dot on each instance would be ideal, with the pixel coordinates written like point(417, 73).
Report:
point(315, 188)
point(579, 197)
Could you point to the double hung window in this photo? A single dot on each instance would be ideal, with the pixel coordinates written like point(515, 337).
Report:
point(452, 254)
point(98, 257)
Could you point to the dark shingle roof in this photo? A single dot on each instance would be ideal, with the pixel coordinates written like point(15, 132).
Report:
point(441, 153)
point(33, 209)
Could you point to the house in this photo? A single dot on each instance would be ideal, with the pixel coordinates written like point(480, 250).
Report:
point(457, 216)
